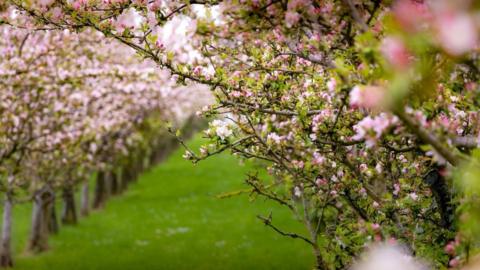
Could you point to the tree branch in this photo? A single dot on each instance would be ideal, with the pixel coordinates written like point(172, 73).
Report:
point(268, 222)
point(451, 155)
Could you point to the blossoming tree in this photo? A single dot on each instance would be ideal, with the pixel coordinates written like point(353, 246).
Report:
point(73, 104)
point(365, 113)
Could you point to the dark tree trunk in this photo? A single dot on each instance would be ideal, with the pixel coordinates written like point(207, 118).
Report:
point(108, 182)
point(41, 214)
point(152, 158)
point(53, 220)
point(6, 246)
point(101, 192)
point(319, 263)
point(114, 179)
point(122, 180)
point(85, 200)
point(139, 164)
point(438, 186)
point(69, 213)
point(133, 170)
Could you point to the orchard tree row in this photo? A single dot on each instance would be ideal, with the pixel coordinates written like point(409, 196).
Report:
point(73, 106)
point(364, 112)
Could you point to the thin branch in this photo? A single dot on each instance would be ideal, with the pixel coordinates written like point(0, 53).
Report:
point(268, 222)
point(268, 111)
point(259, 191)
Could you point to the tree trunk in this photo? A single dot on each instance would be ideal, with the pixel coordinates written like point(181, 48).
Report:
point(41, 214)
point(85, 199)
point(132, 169)
point(69, 213)
point(115, 189)
point(108, 183)
point(319, 263)
point(135, 169)
point(139, 165)
point(6, 247)
point(438, 186)
point(101, 192)
point(53, 221)
point(150, 159)
point(122, 180)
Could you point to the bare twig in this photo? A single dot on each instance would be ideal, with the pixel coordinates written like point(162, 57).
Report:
point(268, 222)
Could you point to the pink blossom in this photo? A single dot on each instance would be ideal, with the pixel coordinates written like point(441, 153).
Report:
point(298, 164)
point(291, 18)
point(236, 94)
point(272, 10)
point(332, 84)
point(318, 159)
point(471, 86)
point(396, 189)
point(410, 14)
point(367, 96)
point(77, 4)
point(450, 248)
point(129, 19)
point(457, 33)
point(279, 36)
point(320, 182)
point(454, 262)
point(57, 13)
point(363, 167)
point(156, 5)
point(274, 137)
point(395, 52)
point(377, 125)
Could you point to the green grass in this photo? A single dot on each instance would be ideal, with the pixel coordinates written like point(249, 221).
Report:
point(171, 219)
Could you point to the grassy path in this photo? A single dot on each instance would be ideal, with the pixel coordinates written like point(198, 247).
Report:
point(171, 219)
